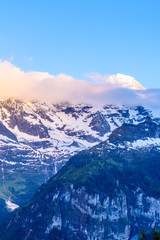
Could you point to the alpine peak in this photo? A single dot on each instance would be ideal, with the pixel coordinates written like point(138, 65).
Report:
point(125, 81)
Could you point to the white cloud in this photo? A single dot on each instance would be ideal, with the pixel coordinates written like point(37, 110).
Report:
point(96, 77)
point(42, 86)
point(29, 58)
point(11, 58)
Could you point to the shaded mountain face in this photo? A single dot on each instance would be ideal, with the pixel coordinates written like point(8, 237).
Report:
point(109, 191)
point(37, 139)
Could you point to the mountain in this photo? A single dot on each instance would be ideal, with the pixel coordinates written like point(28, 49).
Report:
point(109, 191)
point(37, 139)
point(124, 81)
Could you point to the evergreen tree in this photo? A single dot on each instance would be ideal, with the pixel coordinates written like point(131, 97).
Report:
point(156, 235)
point(143, 235)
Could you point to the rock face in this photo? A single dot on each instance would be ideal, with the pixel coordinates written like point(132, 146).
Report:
point(99, 124)
point(109, 191)
point(130, 132)
point(5, 132)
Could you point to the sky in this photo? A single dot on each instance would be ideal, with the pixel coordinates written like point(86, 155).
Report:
point(79, 37)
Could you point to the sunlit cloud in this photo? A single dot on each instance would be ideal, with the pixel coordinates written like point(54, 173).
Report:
point(46, 87)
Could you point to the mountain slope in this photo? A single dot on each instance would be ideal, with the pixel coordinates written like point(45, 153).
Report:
point(109, 191)
point(36, 140)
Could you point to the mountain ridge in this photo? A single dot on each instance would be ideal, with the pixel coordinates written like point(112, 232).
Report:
point(48, 135)
point(109, 191)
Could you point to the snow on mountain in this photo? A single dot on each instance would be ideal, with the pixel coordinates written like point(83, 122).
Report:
point(110, 191)
point(36, 139)
point(124, 81)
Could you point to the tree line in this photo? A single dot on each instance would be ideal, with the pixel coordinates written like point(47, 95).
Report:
point(144, 236)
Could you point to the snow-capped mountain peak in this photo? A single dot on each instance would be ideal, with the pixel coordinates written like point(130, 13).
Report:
point(124, 81)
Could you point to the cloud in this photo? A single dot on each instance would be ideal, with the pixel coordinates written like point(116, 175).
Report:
point(11, 58)
point(30, 59)
point(45, 87)
point(96, 77)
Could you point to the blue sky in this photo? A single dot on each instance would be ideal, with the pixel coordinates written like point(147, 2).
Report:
point(77, 37)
